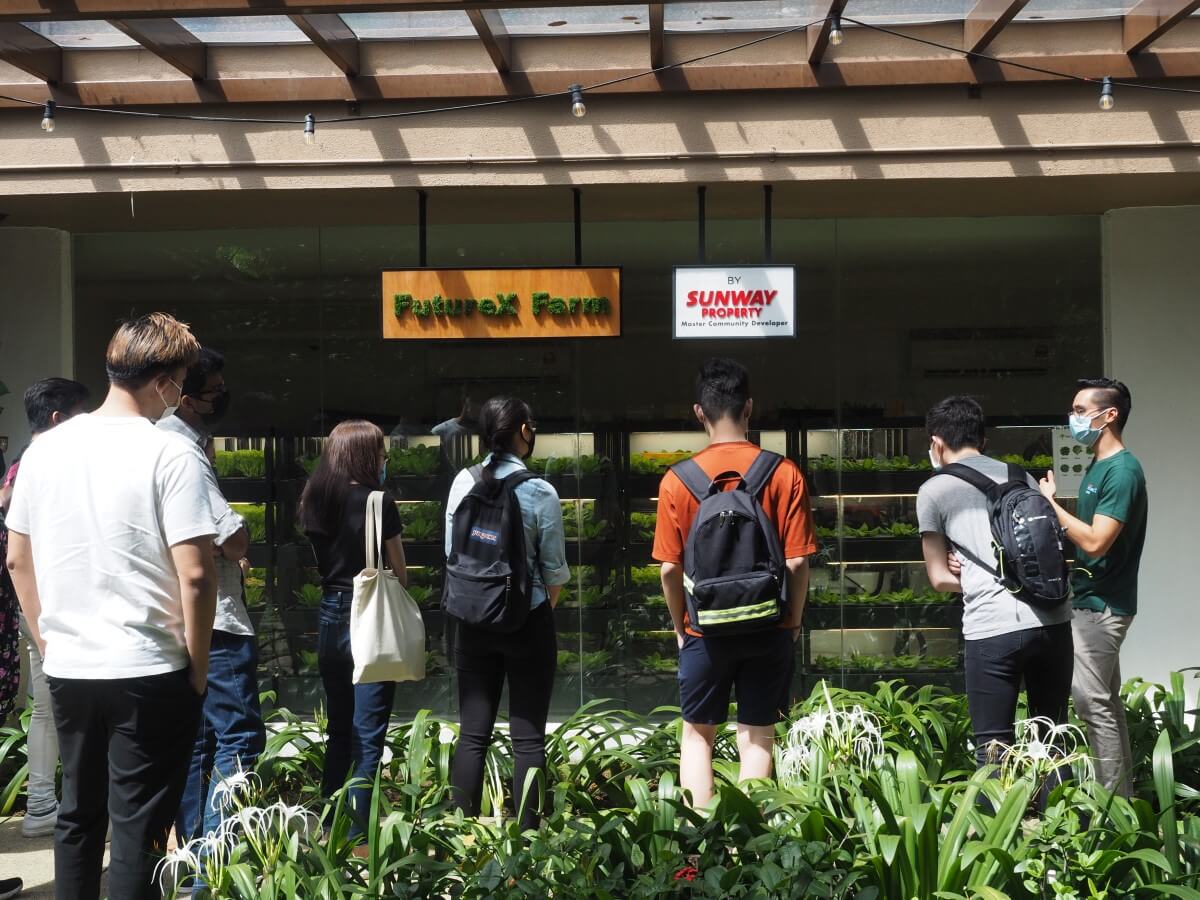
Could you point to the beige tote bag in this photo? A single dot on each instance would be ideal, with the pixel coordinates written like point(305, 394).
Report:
point(387, 633)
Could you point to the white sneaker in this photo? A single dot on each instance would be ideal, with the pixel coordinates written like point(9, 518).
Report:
point(36, 826)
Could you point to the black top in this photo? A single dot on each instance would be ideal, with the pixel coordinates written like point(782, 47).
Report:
point(342, 556)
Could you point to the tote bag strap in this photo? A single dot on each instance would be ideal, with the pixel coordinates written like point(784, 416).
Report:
point(372, 529)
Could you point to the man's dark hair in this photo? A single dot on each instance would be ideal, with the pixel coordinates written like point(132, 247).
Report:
point(1109, 392)
point(722, 388)
point(209, 363)
point(49, 396)
point(959, 422)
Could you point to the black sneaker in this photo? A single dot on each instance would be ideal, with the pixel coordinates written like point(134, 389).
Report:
point(10, 887)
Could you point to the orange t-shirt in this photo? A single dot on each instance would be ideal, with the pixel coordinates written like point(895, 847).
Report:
point(785, 501)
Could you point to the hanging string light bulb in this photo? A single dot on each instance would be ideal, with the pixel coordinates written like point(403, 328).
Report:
point(836, 35)
point(578, 107)
point(310, 129)
point(1107, 101)
point(48, 116)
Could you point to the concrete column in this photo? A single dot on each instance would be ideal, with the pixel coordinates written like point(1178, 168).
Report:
point(1152, 312)
point(36, 319)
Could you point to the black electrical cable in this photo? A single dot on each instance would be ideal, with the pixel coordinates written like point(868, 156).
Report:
point(508, 101)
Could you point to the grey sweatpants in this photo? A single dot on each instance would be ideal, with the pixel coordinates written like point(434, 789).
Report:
point(1096, 690)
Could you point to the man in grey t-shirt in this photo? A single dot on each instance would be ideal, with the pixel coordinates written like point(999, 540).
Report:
point(1007, 641)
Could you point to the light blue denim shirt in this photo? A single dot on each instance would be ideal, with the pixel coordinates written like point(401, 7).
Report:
point(541, 513)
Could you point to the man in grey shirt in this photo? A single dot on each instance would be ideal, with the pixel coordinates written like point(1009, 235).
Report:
point(1007, 641)
point(231, 734)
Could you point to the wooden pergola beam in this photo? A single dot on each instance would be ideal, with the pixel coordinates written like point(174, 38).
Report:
point(658, 35)
point(941, 70)
point(818, 35)
point(170, 42)
point(1151, 19)
point(334, 38)
point(987, 19)
point(30, 52)
point(44, 10)
point(494, 36)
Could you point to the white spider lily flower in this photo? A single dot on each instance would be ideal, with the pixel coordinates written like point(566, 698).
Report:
point(236, 788)
point(178, 865)
point(826, 739)
point(1041, 748)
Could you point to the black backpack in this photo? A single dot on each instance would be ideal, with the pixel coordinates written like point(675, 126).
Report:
point(735, 575)
point(1026, 537)
point(487, 582)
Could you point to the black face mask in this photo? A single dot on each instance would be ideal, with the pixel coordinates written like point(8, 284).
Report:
point(220, 406)
point(532, 441)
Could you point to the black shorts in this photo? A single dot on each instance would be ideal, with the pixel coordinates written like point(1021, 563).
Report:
point(758, 665)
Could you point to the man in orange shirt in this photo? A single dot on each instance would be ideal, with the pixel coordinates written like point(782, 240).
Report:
point(758, 664)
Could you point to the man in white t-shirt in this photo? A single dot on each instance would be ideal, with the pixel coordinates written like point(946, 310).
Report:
point(110, 550)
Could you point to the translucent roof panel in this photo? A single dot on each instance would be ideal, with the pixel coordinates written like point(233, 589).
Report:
point(244, 29)
point(399, 25)
point(764, 15)
point(575, 20)
point(1074, 9)
point(83, 34)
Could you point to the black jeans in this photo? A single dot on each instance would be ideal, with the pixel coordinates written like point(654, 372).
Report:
point(358, 713)
point(1043, 658)
point(528, 658)
point(125, 746)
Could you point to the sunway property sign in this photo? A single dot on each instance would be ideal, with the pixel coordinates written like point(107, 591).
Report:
point(741, 301)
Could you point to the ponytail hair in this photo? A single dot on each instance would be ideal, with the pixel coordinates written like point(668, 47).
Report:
point(500, 421)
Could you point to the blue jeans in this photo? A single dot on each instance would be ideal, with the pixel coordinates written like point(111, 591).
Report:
point(230, 735)
point(358, 713)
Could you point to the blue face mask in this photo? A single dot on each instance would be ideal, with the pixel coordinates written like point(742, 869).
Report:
point(1081, 428)
point(383, 474)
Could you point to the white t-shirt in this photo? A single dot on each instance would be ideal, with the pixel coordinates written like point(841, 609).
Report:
point(103, 500)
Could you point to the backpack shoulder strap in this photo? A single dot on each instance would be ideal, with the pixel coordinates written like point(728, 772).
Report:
point(519, 477)
point(973, 477)
point(476, 473)
point(758, 476)
point(689, 472)
point(1017, 474)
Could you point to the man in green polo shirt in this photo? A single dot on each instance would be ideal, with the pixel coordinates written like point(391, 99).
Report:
point(1108, 532)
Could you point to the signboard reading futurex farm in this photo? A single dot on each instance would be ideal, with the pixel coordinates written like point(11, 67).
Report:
point(741, 301)
point(462, 304)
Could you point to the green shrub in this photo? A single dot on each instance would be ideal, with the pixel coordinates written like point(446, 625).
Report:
point(255, 515)
point(413, 461)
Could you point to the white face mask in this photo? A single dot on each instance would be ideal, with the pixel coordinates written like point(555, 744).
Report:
point(933, 460)
point(168, 409)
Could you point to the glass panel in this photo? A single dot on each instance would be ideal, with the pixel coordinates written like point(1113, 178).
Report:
point(1074, 9)
point(575, 20)
point(244, 29)
point(392, 26)
point(80, 35)
point(893, 314)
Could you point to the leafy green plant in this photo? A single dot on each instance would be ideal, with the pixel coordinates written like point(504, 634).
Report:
point(1040, 461)
point(642, 525)
point(413, 461)
point(893, 530)
point(14, 761)
point(255, 515)
point(870, 464)
point(240, 463)
point(580, 522)
point(659, 662)
point(310, 595)
point(865, 662)
point(902, 597)
point(588, 464)
point(422, 521)
point(570, 661)
point(646, 577)
point(657, 463)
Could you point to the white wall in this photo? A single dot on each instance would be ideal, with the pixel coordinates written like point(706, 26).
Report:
point(1152, 301)
point(36, 319)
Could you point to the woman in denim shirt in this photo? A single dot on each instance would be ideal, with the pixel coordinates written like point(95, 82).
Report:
point(528, 657)
point(333, 515)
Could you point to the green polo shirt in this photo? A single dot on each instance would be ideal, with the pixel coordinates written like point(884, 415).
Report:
point(1113, 487)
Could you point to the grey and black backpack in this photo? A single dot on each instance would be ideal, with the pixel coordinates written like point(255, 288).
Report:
point(1026, 538)
point(735, 575)
point(488, 583)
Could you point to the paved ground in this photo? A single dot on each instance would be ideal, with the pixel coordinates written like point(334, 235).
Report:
point(31, 859)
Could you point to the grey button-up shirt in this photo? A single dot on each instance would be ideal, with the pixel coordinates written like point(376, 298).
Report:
point(231, 616)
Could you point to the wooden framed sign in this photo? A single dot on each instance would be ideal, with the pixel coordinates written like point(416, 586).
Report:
point(471, 304)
